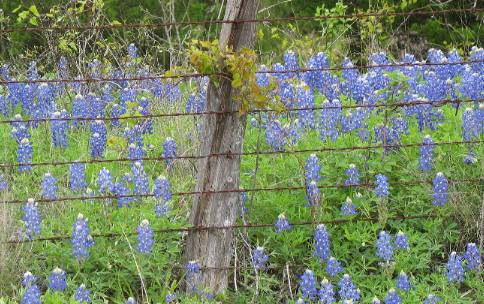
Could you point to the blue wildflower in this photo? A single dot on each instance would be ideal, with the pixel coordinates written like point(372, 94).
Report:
point(401, 241)
point(145, 237)
point(170, 298)
point(105, 181)
point(426, 154)
point(384, 247)
point(403, 282)
point(162, 210)
point(347, 289)
point(32, 292)
point(49, 187)
point(193, 270)
point(59, 129)
point(31, 218)
point(392, 297)
point(455, 268)
point(431, 299)
point(330, 120)
point(81, 240)
point(322, 243)
point(472, 257)
point(57, 280)
point(24, 155)
point(333, 267)
point(375, 300)
point(307, 285)
point(77, 176)
point(381, 186)
point(83, 295)
point(169, 151)
point(259, 258)
point(162, 190)
point(3, 183)
point(131, 300)
point(282, 223)
point(440, 196)
point(312, 169)
point(140, 179)
point(348, 208)
point(313, 194)
point(353, 176)
point(326, 292)
point(98, 139)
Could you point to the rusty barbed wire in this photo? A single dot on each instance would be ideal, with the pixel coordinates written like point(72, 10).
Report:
point(435, 103)
point(238, 154)
point(237, 21)
point(477, 181)
point(211, 228)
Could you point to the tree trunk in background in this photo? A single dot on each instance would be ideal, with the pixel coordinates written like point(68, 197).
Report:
point(221, 134)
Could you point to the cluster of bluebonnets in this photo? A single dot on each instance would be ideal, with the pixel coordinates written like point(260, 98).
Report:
point(427, 86)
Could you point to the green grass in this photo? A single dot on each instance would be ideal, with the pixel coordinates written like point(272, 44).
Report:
point(113, 270)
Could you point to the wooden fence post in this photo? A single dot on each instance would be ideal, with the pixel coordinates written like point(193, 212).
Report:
point(221, 134)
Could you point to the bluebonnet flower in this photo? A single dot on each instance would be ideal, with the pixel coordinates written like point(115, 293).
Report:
point(193, 270)
point(375, 300)
point(170, 298)
point(291, 63)
point(24, 154)
point(131, 300)
point(135, 152)
point(122, 192)
point(32, 292)
point(83, 295)
point(169, 151)
point(312, 169)
point(470, 158)
point(105, 181)
point(401, 241)
point(300, 301)
point(132, 51)
point(98, 139)
point(333, 267)
point(140, 179)
point(57, 280)
point(49, 187)
point(455, 268)
point(347, 289)
point(242, 206)
point(353, 176)
point(322, 243)
point(3, 183)
point(326, 292)
point(77, 176)
point(81, 240)
point(161, 190)
point(330, 118)
point(313, 194)
point(305, 100)
point(431, 299)
point(282, 223)
point(384, 247)
point(80, 109)
point(403, 282)
point(145, 237)
point(59, 129)
point(348, 208)
point(426, 154)
point(392, 297)
point(31, 218)
point(381, 186)
point(162, 210)
point(259, 258)
point(279, 135)
point(307, 285)
point(440, 196)
point(472, 257)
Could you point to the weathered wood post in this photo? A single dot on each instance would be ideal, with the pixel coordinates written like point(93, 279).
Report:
point(221, 134)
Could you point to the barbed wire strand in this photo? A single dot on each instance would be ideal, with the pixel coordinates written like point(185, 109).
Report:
point(211, 228)
point(238, 154)
point(435, 103)
point(238, 21)
point(477, 181)
point(198, 75)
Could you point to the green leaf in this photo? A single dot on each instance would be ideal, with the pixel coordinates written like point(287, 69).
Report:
point(33, 21)
point(17, 9)
point(33, 10)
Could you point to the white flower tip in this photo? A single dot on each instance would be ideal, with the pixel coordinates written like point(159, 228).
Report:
point(281, 216)
point(145, 223)
point(27, 274)
point(348, 199)
point(57, 270)
point(321, 226)
point(31, 200)
point(324, 281)
point(259, 248)
point(24, 141)
point(80, 216)
point(440, 174)
point(352, 166)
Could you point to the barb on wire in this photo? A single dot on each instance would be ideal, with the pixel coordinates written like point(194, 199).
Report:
point(266, 189)
point(410, 103)
point(231, 227)
point(232, 154)
point(196, 75)
point(259, 20)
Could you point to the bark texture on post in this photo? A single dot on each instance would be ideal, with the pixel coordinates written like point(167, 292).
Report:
point(221, 134)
